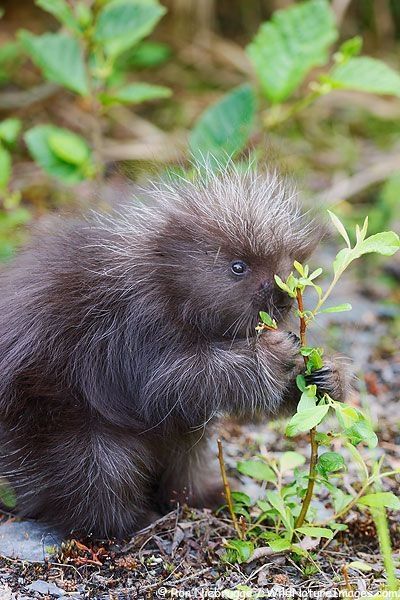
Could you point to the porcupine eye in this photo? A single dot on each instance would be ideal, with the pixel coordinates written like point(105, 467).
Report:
point(238, 267)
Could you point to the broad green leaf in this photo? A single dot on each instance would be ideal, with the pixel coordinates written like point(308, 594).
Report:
point(61, 11)
point(7, 495)
point(290, 460)
point(257, 470)
point(305, 420)
point(241, 498)
point(381, 500)
point(5, 168)
point(366, 74)
point(336, 309)
point(147, 54)
point(9, 130)
point(330, 462)
point(280, 545)
point(346, 415)
point(134, 93)
point(288, 46)
point(308, 399)
point(37, 140)
point(340, 227)
point(386, 243)
point(69, 146)
point(60, 58)
point(123, 23)
point(224, 128)
point(361, 431)
point(317, 532)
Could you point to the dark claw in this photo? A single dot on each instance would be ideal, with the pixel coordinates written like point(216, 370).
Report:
point(318, 377)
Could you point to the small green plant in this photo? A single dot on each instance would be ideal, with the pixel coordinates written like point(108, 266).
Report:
point(286, 515)
point(90, 56)
point(283, 53)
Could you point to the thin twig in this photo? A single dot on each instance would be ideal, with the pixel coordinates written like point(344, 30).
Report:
point(227, 489)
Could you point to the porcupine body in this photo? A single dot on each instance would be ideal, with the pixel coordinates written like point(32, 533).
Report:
point(123, 338)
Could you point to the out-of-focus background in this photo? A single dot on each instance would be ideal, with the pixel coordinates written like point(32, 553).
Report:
point(95, 94)
point(139, 82)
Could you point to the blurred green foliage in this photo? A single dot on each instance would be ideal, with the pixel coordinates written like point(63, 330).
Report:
point(99, 46)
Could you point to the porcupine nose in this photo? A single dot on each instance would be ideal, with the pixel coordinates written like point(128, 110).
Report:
point(270, 297)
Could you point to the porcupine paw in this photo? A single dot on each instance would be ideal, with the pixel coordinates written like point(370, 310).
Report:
point(333, 379)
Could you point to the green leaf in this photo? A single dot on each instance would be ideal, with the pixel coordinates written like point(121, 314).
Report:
point(283, 286)
point(224, 128)
point(69, 146)
point(280, 545)
point(147, 54)
point(241, 498)
point(299, 267)
point(308, 399)
point(360, 566)
point(340, 227)
point(265, 318)
point(301, 383)
point(305, 420)
point(349, 48)
point(242, 551)
point(286, 48)
point(5, 168)
point(346, 415)
point(257, 470)
point(290, 460)
point(386, 243)
point(315, 274)
point(342, 260)
point(336, 309)
point(362, 432)
point(317, 532)
point(37, 140)
point(9, 130)
point(366, 74)
point(134, 93)
point(123, 23)
point(7, 495)
point(330, 462)
point(381, 500)
point(60, 58)
point(61, 11)
point(278, 503)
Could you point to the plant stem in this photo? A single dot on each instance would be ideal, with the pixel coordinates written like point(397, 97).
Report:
point(227, 490)
point(314, 445)
point(382, 528)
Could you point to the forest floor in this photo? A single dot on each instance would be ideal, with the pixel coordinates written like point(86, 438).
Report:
point(181, 553)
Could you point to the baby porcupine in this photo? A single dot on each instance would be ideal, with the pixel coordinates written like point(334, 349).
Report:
point(123, 337)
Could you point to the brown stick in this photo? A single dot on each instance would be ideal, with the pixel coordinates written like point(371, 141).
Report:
point(227, 490)
point(314, 445)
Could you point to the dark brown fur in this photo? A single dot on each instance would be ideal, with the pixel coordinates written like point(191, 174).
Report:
point(122, 340)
